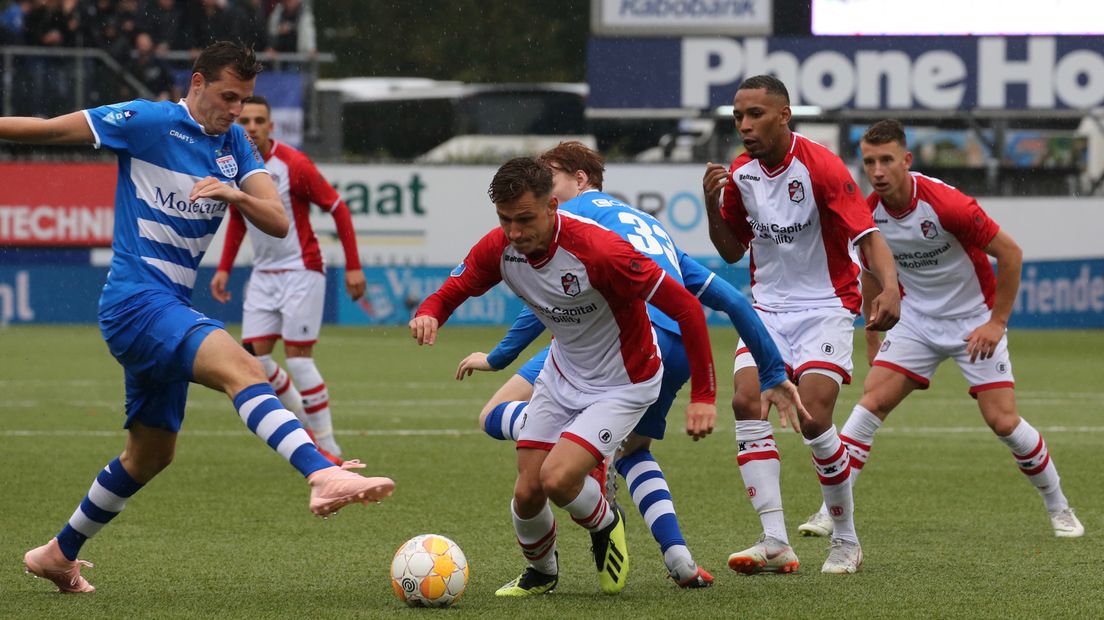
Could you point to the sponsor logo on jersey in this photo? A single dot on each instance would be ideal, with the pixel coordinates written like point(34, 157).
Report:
point(510, 258)
point(748, 177)
point(227, 165)
point(570, 283)
point(797, 191)
point(564, 315)
point(877, 221)
point(1002, 367)
point(928, 228)
point(827, 348)
point(885, 346)
point(458, 271)
point(605, 436)
point(117, 118)
point(181, 136)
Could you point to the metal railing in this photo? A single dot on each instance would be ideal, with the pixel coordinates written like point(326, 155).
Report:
point(80, 70)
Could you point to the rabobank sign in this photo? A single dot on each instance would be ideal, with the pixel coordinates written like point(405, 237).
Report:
point(937, 73)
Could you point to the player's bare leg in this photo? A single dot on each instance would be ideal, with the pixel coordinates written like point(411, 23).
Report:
point(757, 456)
point(883, 390)
point(998, 407)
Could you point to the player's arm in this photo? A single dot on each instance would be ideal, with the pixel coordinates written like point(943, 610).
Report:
point(721, 234)
point(70, 128)
point(982, 342)
point(885, 308)
point(674, 300)
point(471, 278)
point(257, 200)
point(870, 290)
point(522, 333)
point(235, 232)
point(320, 192)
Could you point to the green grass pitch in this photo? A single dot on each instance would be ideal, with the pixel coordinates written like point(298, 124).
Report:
point(949, 525)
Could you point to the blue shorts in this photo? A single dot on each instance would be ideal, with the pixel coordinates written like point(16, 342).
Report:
point(155, 336)
point(676, 372)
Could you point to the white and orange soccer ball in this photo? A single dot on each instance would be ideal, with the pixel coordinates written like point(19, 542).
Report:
point(429, 571)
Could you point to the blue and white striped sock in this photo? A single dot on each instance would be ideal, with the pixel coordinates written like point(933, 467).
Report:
point(652, 497)
point(262, 412)
point(106, 498)
point(504, 421)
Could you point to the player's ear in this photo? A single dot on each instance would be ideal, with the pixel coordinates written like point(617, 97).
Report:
point(582, 180)
point(197, 81)
point(785, 114)
point(908, 160)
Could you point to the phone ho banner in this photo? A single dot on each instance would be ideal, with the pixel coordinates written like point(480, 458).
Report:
point(864, 73)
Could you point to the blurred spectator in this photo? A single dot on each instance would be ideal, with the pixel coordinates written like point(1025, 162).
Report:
point(53, 24)
point(96, 14)
point(207, 21)
point(291, 27)
point(11, 22)
point(250, 24)
point(153, 72)
point(163, 20)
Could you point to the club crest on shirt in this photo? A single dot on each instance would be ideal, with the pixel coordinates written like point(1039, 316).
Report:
point(227, 165)
point(797, 191)
point(570, 284)
point(928, 228)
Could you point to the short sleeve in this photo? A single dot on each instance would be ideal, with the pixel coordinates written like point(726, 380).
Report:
point(965, 219)
point(131, 126)
point(838, 194)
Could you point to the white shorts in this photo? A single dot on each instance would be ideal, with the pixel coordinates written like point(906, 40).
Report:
point(819, 341)
point(284, 304)
point(917, 344)
point(598, 422)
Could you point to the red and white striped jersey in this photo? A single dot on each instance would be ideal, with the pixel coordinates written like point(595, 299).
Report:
point(800, 221)
point(299, 184)
point(590, 290)
point(939, 248)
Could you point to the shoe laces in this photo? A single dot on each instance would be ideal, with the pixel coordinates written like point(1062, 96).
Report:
point(353, 464)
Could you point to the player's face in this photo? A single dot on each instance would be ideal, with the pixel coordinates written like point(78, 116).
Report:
point(256, 122)
point(762, 120)
point(566, 185)
point(529, 222)
point(886, 167)
point(219, 103)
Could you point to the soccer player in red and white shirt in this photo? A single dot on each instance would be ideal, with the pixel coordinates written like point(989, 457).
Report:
point(953, 307)
point(590, 288)
point(287, 289)
point(795, 206)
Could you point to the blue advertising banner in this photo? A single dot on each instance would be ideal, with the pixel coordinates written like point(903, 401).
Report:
point(873, 73)
point(1058, 294)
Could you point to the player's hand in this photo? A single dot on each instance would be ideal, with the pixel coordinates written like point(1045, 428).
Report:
point(873, 345)
point(218, 286)
point(424, 329)
point(785, 398)
point(700, 418)
point(885, 310)
point(212, 188)
point(471, 363)
point(355, 283)
point(714, 180)
point(982, 342)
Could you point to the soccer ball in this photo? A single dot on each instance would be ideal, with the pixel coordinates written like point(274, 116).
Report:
point(429, 571)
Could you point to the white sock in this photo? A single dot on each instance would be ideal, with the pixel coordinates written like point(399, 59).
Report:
point(285, 390)
point(833, 468)
point(316, 401)
point(757, 456)
point(858, 437)
point(1031, 454)
point(537, 538)
point(589, 508)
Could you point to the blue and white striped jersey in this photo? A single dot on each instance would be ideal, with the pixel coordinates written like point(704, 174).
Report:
point(160, 236)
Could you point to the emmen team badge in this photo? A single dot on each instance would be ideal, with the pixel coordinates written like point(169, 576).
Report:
point(797, 191)
point(570, 284)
